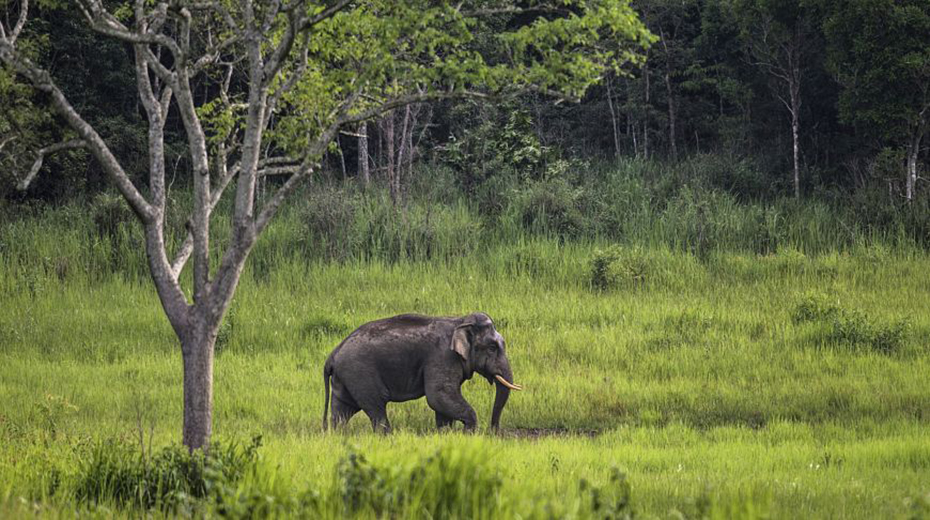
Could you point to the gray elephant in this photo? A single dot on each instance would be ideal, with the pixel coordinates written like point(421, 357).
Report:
point(408, 356)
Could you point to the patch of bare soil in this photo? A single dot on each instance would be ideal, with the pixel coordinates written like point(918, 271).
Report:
point(536, 433)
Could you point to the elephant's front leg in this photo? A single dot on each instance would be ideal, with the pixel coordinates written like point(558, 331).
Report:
point(443, 420)
point(446, 399)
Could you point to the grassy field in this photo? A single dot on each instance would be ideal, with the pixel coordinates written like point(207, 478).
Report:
point(659, 382)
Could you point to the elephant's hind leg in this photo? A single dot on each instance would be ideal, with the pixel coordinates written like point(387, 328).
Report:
point(379, 420)
point(342, 412)
point(344, 406)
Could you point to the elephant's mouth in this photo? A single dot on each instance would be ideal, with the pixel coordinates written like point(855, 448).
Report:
point(508, 384)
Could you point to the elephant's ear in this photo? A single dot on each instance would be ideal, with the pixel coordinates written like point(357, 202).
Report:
point(460, 343)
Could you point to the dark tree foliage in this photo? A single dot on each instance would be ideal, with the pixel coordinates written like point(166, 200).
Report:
point(703, 88)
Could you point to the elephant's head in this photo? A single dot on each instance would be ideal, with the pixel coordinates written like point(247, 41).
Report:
point(482, 348)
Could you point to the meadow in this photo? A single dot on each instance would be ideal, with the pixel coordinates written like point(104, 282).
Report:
point(719, 377)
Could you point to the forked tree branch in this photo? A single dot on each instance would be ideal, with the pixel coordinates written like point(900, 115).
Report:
point(20, 23)
point(70, 144)
point(42, 81)
point(100, 20)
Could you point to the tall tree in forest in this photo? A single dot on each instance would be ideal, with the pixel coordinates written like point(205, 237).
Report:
point(284, 77)
point(364, 173)
point(675, 22)
point(778, 36)
point(880, 54)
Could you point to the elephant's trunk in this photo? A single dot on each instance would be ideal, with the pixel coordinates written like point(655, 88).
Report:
point(503, 393)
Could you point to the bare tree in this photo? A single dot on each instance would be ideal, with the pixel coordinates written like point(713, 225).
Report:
point(780, 49)
point(669, 92)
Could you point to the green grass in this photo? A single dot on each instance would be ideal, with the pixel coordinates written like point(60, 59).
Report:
point(722, 383)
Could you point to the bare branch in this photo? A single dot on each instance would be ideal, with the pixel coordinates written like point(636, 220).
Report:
point(278, 170)
point(214, 52)
point(6, 140)
point(20, 22)
point(42, 81)
point(102, 21)
point(70, 144)
point(274, 7)
point(187, 247)
point(307, 165)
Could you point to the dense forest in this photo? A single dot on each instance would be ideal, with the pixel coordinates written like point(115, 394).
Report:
point(762, 99)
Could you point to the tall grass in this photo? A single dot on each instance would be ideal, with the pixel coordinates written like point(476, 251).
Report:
point(730, 358)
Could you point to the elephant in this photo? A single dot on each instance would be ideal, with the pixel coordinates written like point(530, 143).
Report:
point(408, 356)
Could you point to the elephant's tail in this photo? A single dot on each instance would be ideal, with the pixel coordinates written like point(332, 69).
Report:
point(327, 373)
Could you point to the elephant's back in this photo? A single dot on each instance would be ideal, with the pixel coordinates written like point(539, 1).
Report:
point(405, 326)
point(413, 334)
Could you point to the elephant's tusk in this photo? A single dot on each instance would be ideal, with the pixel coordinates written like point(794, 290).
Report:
point(508, 384)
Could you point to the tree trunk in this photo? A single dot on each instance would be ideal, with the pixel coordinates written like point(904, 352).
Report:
point(632, 131)
point(913, 150)
point(795, 140)
point(411, 148)
point(402, 149)
point(671, 116)
point(390, 154)
point(795, 146)
point(613, 117)
point(197, 352)
point(342, 159)
point(364, 173)
point(646, 112)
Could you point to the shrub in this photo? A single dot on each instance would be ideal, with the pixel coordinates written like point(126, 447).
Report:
point(328, 215)
point(850, 327)
point(550, 206)
point(613, 501)
point(856, 329)
point(815, 307)
point(452, 482)
point(115, 471)
point(616, 267)
point(361, 485)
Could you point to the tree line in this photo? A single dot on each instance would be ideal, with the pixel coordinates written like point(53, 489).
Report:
point(820, 93)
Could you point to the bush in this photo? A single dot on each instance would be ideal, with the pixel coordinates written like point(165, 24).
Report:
point(550, 206)
point(619, 267)
point(115, 471)
point(328, 215)
point(450, 483)
point(613, 501)
point(815, 307)
point(850, 327)
point(856, 329)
